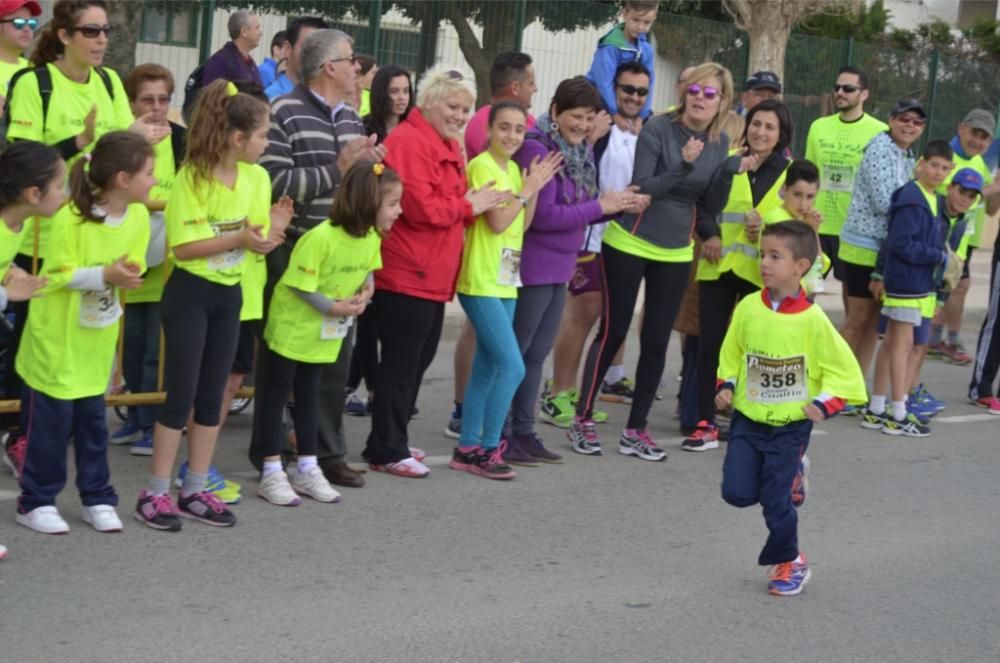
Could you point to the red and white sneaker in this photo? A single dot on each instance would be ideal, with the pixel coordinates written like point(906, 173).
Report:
point(408, 467)
point(991, 403)
point(704, 437)
point(956, 354)
point(418, 454)
point(13, 456)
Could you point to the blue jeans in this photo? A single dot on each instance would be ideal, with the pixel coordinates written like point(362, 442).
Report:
point(141, 358)
point(497, 370)
point(760, 466)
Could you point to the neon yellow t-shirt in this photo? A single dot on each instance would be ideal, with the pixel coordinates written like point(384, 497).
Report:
point(69, 105)
point(205, 210)
point(10, 244)
point(7, 71)
point(490, 261)
point(779, 362)
point(617, 237)
point(837, 147)
point(165, 171)
point(365, 107)
point(328, 261)
point(69, 343)
point(977, 213)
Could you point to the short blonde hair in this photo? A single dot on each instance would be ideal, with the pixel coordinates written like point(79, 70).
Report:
point(705, 71)
point(441, 82)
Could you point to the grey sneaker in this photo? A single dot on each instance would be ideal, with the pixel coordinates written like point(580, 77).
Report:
point(582, 436)
point(638, 443)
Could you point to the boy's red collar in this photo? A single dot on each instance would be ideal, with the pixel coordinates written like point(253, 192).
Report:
point(795, 304)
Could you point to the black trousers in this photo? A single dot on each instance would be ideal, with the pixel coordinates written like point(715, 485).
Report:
point(716, 301)
point(665, 285)
point(364, 359)
point(409, 329)
point(276, 377)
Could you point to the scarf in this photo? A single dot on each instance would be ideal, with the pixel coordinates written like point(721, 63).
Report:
point(578, 161)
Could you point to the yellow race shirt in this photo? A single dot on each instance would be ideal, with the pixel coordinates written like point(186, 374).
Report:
point(69, 105)
point(68, 346)
point(977, 213)
point(7, 71)
point(10, 243)
point(491, 262)
point(780, 361)
point(837, 147)
point(198, 211)
point(165, 170)
point(328, 261)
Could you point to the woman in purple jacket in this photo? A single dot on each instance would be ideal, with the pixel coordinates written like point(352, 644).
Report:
point(566, 205)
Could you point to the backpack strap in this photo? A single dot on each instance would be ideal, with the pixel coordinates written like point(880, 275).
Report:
point(106, 79)
point(44, 91)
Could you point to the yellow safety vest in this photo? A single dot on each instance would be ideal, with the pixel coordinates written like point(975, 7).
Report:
point(740, 255)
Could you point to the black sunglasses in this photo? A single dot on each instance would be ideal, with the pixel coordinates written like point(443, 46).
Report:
point(21, 23)
point(93, 31)
point(849, 89)
point(631, 89)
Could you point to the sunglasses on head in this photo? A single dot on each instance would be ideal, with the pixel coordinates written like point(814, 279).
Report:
point(849, 89)
point(21, 23)
point(93, 31)
point(912, 120)
point(706, 91)
point(631, 89)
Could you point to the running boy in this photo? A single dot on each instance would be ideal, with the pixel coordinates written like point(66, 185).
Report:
point(626, 42)
point(779, 384)
point(913, 251)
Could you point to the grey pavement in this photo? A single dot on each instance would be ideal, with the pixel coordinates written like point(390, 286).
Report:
point(598, 559)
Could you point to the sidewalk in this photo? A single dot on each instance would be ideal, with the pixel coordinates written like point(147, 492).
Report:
point(976, 303)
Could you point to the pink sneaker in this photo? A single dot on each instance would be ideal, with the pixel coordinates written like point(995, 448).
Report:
point(13, 456)
point(991, 403)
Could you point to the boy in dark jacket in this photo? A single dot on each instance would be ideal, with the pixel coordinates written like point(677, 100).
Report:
point(912, 254)
point(626, 42)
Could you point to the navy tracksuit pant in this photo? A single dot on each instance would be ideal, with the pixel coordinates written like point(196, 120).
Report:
point(48, 424)
point(760, 466)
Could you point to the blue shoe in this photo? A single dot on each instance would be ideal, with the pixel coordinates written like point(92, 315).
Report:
point(924, 397)
point(225, 490)
point(924, 411)
point(788, 578)
point(143, 446)
point(357, 406)
point(128, 433)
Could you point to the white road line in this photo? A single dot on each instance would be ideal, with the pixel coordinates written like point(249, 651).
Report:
point(965, 418)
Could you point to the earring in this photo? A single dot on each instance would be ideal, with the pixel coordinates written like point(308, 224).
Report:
point(555, 126)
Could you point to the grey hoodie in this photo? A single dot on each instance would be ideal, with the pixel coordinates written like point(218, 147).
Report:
point(685, 196)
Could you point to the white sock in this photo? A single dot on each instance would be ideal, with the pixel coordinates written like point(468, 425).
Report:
point(306, 463)
point(270, 467)
point(614, 374)
point(899, 410)
point(877, 404)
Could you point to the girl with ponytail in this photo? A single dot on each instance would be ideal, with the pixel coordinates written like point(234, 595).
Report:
point(98, 249)
point(220, 223)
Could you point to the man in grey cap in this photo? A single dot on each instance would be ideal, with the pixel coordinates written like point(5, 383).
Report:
point(760, 86)
point(975, 133)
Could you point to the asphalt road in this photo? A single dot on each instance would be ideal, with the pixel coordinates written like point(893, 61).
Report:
point(598, 559)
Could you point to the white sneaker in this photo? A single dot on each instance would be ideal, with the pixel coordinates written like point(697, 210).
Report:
point(3, 551)
point(313, 484)
point(275, 489)
point(44, 519)
point(102, 517)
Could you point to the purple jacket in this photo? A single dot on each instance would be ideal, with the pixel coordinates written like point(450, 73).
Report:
point(229, 64)
point(552, 242)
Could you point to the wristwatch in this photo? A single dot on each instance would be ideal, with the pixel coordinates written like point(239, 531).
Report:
point(524, 201)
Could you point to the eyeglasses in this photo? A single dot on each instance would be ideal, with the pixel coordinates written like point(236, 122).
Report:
point(707, 91)
point(631, 89)
point(912, 120)
point(849, 89)
point(163, 101)
point(21, 23)
point(353, 59)
point(93, 31)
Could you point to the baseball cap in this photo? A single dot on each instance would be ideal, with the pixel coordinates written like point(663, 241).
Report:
point(10, 6)
point(967, 178)
point(981, 119)
point(904, 105)
point(763, 80)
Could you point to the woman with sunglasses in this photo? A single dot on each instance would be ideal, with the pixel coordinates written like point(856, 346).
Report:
point(682, 162)
point(723, 281)
point(18, 20)
point(887, 164)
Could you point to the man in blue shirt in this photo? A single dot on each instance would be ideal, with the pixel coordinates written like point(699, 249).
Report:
point(269, 67)
point(296, 34)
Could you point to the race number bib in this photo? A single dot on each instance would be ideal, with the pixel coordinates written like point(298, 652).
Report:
point(231, 258)
point(510, 268)
point(839, 179)
point(771, 380)
point(99, 308)
point(335, 327)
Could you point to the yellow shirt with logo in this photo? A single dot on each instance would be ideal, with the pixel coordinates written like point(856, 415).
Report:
point(68, 346)
point(328, 261)
point(68, 107)
point(780, 362)
point(200, 210)
point(837, 147)
point(491, 261)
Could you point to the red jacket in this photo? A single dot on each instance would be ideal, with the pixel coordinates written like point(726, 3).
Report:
point(423, 251)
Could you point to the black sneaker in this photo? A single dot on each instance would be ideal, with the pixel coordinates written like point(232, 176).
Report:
point(207, 508)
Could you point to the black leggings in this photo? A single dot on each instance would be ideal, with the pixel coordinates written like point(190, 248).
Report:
point(201, 327)
point(364, 360)
point(622, 274)
point(716, 301)
point(276, 376)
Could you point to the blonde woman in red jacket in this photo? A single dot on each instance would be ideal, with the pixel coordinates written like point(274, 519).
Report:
point(421, 257)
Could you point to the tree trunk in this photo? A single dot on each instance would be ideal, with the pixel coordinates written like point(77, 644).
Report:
point(125, 16)
point(498, 19)
point(767, 49)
